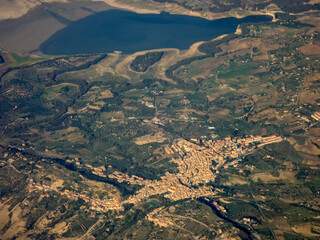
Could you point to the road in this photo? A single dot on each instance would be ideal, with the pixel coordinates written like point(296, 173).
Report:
point(87, 234)
point(190, 218)
point(261, 213)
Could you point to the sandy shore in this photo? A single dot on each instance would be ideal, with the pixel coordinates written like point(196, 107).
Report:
point(119, 5)
point(139, 6)
point(11, 9)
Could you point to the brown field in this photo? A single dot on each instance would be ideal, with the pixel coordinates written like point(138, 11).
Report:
point(291, 140)
point(310, 49)
point(309, 97)
point(312, 78)
point(309, 162)
point(313, 20)
point(212, 64)
point(60, 228)
point(305, 229)
point(313, 1)
point(150, 138)
point(265, 114)
point(267, 100)
point(17, 224)
point(220, 113)
point(4, 213)
point(281, 226)
point(288, 67)
point(240, 44)
point(286, 176)
point(53, 153)
point(70, 111)
point(264, 132)
point(100, 103)
point(177, 92)
point(287, 119)
point(159, 151)
point(42, 222)
point(294, 128)
point(288, 165)
point(106, 94)
point(260, 57)
point(98, 108)
point(108, 115)
point(57, 183)
point(233, 180)
point(308, 148)
point(222, 90)
point(23, 238)
point(315, 132)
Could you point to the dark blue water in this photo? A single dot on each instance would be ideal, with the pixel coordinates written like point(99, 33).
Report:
point(130, 32)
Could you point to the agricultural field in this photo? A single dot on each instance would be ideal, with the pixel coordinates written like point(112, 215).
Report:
point(83, 137)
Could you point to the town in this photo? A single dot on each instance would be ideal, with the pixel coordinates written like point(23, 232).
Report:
point(197, 165)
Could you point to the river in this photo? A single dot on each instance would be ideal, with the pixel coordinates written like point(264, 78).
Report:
point(244, 234)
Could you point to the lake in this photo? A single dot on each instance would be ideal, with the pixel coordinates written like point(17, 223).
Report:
point(129, 32)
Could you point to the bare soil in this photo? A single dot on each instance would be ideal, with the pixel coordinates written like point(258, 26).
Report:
point(286, 176)
point(310, 49)
point(30, 23)
point(4, 213)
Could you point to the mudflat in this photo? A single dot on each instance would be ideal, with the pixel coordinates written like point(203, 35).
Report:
point(26, 33)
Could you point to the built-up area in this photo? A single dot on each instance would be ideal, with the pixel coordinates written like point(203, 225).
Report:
point(198, 164)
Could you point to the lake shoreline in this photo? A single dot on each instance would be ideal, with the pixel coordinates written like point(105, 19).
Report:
point(129, 32)
point(15, 33)
point(157, 8)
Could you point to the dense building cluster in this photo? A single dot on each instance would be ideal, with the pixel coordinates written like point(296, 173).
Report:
point(197, 166)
